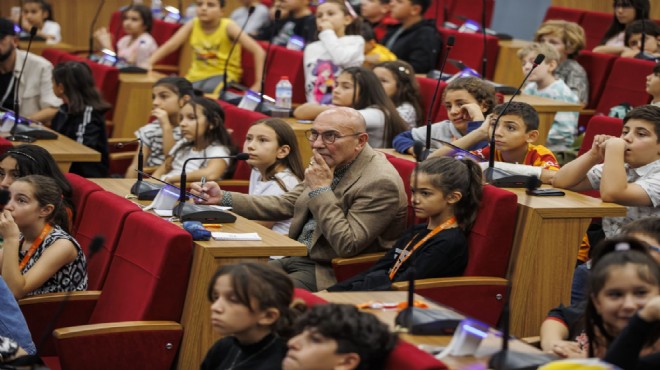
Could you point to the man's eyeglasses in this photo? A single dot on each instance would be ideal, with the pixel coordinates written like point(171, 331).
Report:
point(328, 137)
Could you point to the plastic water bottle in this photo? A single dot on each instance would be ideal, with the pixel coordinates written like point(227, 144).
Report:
point(157, 8)
point(283, 93)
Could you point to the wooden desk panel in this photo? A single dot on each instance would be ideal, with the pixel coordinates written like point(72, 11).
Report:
point(508, 70)
point(38, 47)
point(133, 107)
point(198, 335)
point(490, 345)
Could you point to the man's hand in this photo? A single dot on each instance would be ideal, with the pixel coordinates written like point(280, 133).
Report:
point(210, 191)
point(318, 174)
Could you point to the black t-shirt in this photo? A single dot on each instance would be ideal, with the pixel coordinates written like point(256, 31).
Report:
point(304, 27)
point(228, 353)
point(7, 95)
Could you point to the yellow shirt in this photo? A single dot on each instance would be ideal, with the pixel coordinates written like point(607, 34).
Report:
point(385, 54)
point(210, 52)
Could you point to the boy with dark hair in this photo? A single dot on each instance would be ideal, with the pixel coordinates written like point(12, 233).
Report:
point(630, 164)
point(514, 135)
point(653, 85)
point(416, 39)
point(377, 14)
point(332, 336)
point(633, 39)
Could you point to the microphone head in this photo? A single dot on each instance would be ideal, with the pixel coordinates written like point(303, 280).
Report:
point(95, 245)
point(241, 156)
point(539, 59)
point(278, 14)
point(4, 197)
point(251, 10)
point(418, 148)
point(33, 31)
point(532, 183)
point(450, 41)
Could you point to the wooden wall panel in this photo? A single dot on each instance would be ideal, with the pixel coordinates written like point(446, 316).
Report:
point(601, 6)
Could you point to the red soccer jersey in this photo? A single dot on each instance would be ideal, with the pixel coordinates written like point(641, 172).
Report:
point(537, 156)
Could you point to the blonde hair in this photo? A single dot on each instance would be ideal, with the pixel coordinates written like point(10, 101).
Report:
point(571, 34)
point(551, 54)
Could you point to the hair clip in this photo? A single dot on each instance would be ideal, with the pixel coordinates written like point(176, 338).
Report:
point(350, 9)
point(404, 70)
point(623, 246)
point(23, 154)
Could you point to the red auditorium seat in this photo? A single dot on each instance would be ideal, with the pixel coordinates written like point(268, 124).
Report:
point(439, 10)
point(567, 14)
point(470, 9)
point(626, 84)
point(598, 67)
point(5, 145)
point(54, 56)
point(82, 188)
point(469, 49)
point(408, 356)
point(426, 89)
point(600, 125)
point(595, 25)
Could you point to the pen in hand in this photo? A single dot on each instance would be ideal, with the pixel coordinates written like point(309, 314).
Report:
point(203, 190)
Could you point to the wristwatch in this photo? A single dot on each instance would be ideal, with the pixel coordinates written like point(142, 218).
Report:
point(8, 349)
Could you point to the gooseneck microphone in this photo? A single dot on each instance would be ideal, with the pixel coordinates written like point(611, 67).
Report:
point(192, 212)
point(278, 14)
point(143, 189)
point(495, 176)
point(484, 61)
point(429, 118)
point(91, 29)
point(17, 102)
point(231, 51)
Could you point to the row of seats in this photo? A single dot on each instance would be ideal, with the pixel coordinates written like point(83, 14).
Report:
point(595, 24)
point(138, 281)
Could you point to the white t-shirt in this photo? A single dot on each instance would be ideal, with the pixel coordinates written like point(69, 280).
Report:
point(271, 187)
point(408, 114)
point(187, 151)
point(325, 59)
point(52, 28)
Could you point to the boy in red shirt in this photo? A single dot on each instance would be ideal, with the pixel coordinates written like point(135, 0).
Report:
point(377, 14)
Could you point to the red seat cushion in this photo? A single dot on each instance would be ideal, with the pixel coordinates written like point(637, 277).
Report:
point(626, 83)
point(409, 357)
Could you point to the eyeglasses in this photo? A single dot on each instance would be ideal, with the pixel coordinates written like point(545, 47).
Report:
point(328, 137)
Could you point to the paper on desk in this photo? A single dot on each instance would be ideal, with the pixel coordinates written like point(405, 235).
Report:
point(163, 212)
point(217, 235)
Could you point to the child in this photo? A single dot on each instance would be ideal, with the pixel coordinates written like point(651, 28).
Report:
point(275, 160)
point(447, 192)
point(625, 12)
point(211, 37)
point(203, 134)
point(359, 88)
point(374, 52)
point(568, 39)
point(631, 166)
point(377, 14)
point(159, 136)
point(466, 99)
point(338, 336)
point(340, 46)
point(543, 83)
point(81, 117)
point(251, 307)
point(296, 20)
point(29, 159)
point(633, 39)
point(623, 272)
point(514, 135)
point(39, 256)
point(257, 20)
point(416, 40)
point(137, 45)
point(38, 13)
point(400, 84)
point(653, 85)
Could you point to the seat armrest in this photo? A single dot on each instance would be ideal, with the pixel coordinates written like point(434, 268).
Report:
point(87, 295)
point(588, 112)
point(345, 268)
point(114, 327)
point(450, 282)
point(363, 258)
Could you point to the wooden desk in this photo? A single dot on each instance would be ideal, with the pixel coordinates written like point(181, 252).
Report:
point(488, 347)
point(304, 144)
point(133, 107)
point(198, 335)
point(508, 69)
point(65, 151)
point(547, 238)
point(38, 47)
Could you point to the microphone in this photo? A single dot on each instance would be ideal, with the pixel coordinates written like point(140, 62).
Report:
point(484, 61)
point(143, 189)
point(496, 176)
point(429, 119)
point(206, 214)
point(260, 107)
point(17, 117)
point(91, 29)
point(223, 92)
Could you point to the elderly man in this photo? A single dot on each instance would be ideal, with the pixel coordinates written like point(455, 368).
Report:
point(352, 200)
point(36, 98)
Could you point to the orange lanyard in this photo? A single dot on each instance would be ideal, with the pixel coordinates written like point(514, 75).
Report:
point(403, 256)
point(35, 244)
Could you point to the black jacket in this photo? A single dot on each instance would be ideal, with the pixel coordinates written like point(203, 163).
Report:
point(418, 45)
point(304, 27)
point(87, 128)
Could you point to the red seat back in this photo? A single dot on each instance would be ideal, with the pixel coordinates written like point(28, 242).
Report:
point(148, 276)
point(567, 14)
point(470, 9)
point(439, 10)
point(426, 90)
point(108, 224)
point(5, 145)
point(469, 49)
point(491, 237)
point(107, 81)
point(595, 25)
point(239, 121)
point(54, 56)
point(626, 84)
point(405, 169)
point(81, 188)
point(407, 356)
point(598, 67)
point(600, 125)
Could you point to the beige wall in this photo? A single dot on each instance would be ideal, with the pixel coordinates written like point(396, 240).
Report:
point(75, 16)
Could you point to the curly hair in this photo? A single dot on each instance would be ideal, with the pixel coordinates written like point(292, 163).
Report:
point(482, 91)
